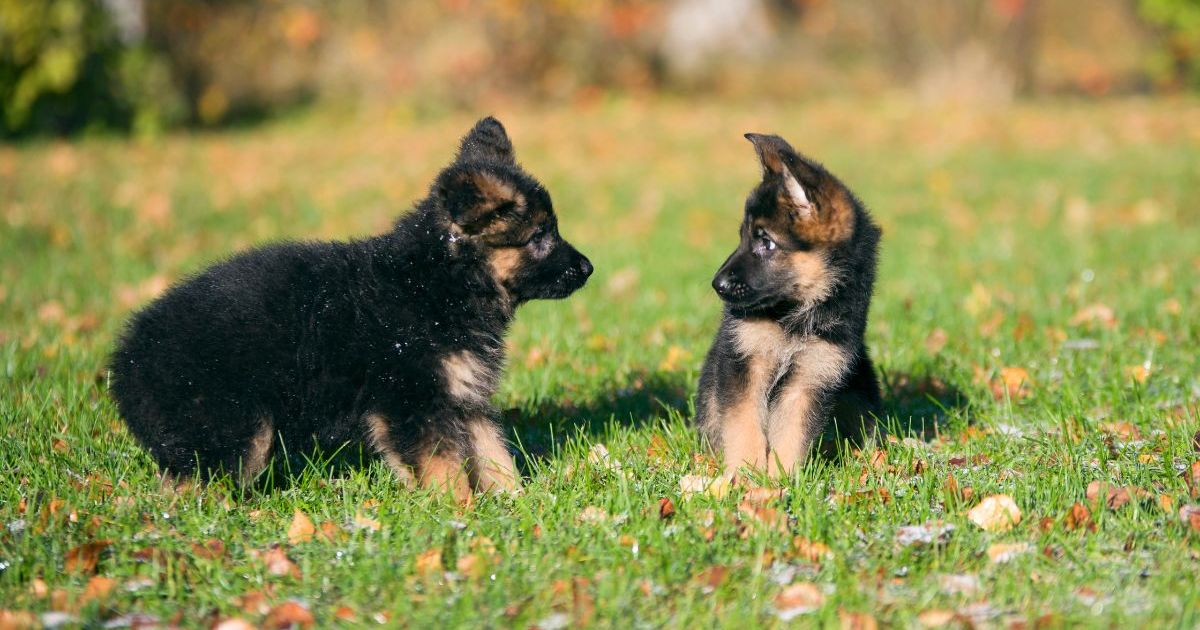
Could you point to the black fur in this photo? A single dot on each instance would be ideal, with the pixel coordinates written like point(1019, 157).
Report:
point(307, 340)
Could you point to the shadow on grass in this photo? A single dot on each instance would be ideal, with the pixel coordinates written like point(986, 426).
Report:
point(919, 405)
point(541, 427)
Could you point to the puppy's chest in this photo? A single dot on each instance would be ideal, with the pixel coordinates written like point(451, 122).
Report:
point(780, 358)
point(471, 377)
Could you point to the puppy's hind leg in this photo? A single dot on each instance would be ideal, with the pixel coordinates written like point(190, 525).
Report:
point(258, 452)
point(380, 438)
point(491, 465)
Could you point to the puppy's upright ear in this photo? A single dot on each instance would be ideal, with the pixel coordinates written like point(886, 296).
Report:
point(486, 141)
point(820, 207)
point(478, 200)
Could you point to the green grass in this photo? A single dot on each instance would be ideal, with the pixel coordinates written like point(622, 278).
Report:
point(1000, 229)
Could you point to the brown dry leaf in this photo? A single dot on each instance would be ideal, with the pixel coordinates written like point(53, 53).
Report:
point(936, 341)
point(345, 613)
point(429, 561)
point(666, 509)
point(361, 521)
point(856, 620)
point(38, 588)
point(18, 620)
point(1190, 515)
point(301, 529)
point(212, 549)
point(709, 579)
point(695, 484)
point(470, 565)
point(1114, 497)
point(810, 550)
point(253, 603)
point(278, 562)
point(936, 617)
point(289, 614)
point(658, 450)
point(329, 531)
point(1095, 314)
point(1014, 382)
point(1139, 373)
point(1000, 553)
point(798, 599)
point(583, 607)
point(1191, 477)
point(370, 504)
point(760, 516)
point(1122, 431)
point(995, 513)
point(98, 588)
point(83, 559)
point(1079, 517)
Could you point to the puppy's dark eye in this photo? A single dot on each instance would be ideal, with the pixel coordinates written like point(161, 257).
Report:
point(763, 239)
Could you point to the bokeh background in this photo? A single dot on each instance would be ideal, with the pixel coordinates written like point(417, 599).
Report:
point(148, 65)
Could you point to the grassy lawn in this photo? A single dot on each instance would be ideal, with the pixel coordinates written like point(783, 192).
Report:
point(1036, 321)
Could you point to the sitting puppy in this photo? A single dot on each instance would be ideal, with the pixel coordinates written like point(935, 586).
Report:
point(395, 342)
point(790, 351)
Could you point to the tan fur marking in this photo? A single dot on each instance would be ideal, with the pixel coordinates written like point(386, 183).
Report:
point(764, 338)
point(504, 262)
point(496, 190)
point(833, 221)
point(377, 432)
point(466, 377)
point(492, 464)
point(813, 280)
point(441, 471)
point(790, 423)
point(742, 439)
point(259, 451)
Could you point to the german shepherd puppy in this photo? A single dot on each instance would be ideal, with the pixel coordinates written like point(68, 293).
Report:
point(790, 354)
point(394, 342)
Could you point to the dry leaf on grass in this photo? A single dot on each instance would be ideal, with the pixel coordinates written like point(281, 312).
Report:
point(798, 599)
point(1000, 553)
point(18, 620)
point(1095, 314)
point(290, 614)
point(811, 551)
point(278, 562)
point(995, 513)
point(1114, 496)
point(696, 484)
point(234, 623)
point(936, 341)
point(856, 620)
point(83, 559)
point(936, 617)
point(301, 529)
point(709, 579)
point(361, 521)
point(1079, 517)
point(98, 589)
point(1190, 515)
point(429, 561)
point(666, 508)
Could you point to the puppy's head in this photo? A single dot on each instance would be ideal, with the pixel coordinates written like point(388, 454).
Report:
point(796, 220)
point(500, 213)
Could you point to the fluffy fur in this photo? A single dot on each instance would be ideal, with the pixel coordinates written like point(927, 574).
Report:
point(790, 353)
point(395, 342)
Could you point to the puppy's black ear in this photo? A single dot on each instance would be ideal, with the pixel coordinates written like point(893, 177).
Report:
point(821, 207)
point(477, 200)
point(487, 141)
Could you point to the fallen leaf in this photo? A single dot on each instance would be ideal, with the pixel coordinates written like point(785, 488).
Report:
point(212, 549)
point(83, 559)
point(1000, 553)
point(959, 583)
point(1190, 515)
point(583, 607)
point(1095, 314)
point(695, 484)
point(289, 614)
point(98, 588)
point(711, 578)
point(253, 603)
point(278, 562)
point(301, 529)
point(929, 533)
point(1122, 431)
point(429, 561)
point(765, 518)
point(995, 513)
point(936, 341)
point(234, 623)
point(856, 620)
point(1014, 382)
point(798, 599)
point(1079, 517)
point(18, 620)
point(345, 613)
point(666, 509)
point(361, 521)
point(936, 617)
point(811, 551)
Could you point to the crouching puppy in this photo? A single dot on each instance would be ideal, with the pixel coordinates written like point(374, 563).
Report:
point(789, 354)
point(394, 342)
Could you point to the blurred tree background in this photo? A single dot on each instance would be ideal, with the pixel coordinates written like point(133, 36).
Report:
point(69, 66)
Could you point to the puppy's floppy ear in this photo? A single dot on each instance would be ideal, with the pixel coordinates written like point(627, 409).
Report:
point(821, 207)
point(476, 199)
point(486, 141)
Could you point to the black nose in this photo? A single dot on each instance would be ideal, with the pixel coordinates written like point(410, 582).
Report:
point(723, 285)
point(585, 267)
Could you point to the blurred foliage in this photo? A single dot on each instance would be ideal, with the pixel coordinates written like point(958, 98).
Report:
point(1178, 62)
point(67, 65)
point(63, 68)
